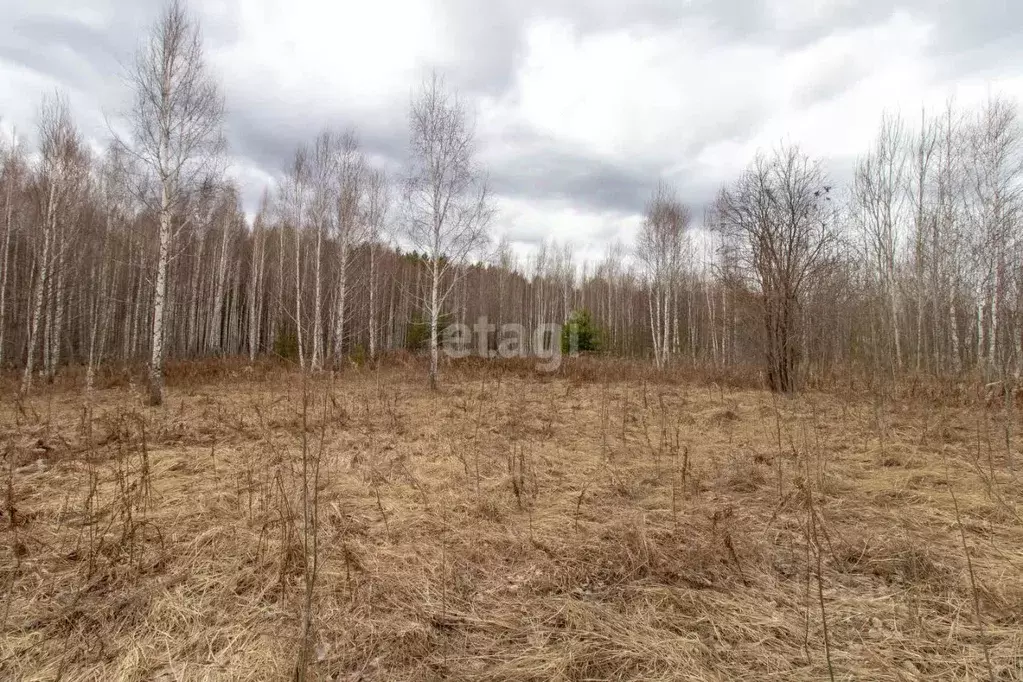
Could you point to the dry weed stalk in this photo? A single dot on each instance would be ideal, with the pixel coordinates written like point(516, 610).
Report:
point(779, 453)
point(454, 591)
point(974, 592)
point(11, 512)
point(605, 420)
point(311, 466)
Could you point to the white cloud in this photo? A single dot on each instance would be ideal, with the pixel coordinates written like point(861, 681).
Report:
point(682, 101)
point(644, 89)
point(527, 223)
point(314, 56)
point(632, 92)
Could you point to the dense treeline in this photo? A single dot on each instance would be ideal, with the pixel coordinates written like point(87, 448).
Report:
point(144, 251)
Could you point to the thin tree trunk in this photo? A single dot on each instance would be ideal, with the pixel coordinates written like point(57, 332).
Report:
point(58, 317)
point(42, 278)
point(5, 263)
point(277, 322)
point(215, 338)
point(98, 310)
point(372, 301)
point(434, 315)
point(255, 286)
point(48, 308)
point(298, 299)
point(317, 358)
point(895, 322)
point(36, 314)
point(159, 303)
point(341, 310)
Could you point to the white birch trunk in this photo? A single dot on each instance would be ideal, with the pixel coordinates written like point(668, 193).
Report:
point(341, 309)
point(372, 301)
point(215, 337)
point(316, 363)
point(434, 319)
point(5, 263)
point(38, 296)
point(36, 315)
point(255, 286)
point(895, 322)
point(58, 318)
point(98, 310)
point(298, 296)
point(160, 301)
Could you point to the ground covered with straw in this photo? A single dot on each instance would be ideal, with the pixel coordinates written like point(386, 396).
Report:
point(588, 526)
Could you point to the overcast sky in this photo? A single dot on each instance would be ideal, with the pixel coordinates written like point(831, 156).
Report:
point(581, 106)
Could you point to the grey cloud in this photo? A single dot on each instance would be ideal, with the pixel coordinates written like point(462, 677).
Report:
point(961, 28)
point(79, 56)
point(979, 25)
point(534, 232)
point(829, 83)
point(541, 170)
point(527, 232)
point(558, 175)
point(486, 43)
point(267, 131)
point(972, 37)
point(103, 51)
point(65, 50)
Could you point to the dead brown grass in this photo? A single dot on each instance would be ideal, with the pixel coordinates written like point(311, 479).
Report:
point(597, 525)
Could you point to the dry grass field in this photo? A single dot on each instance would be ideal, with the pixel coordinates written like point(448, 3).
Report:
point(595, 525)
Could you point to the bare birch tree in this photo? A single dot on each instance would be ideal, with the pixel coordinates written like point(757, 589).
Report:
point(948, 265)
point(660, 246)
point(446, 200)
point(924, 147)
point(175, 138)
point(377, 207)
point(256, 294)
point(879, 202)
point(350, 227)
point(292, 207)
point(113, 192)
point(323, 177)
point(12, 169)
point(225, 222)
point(63, 170)
point(995, 174)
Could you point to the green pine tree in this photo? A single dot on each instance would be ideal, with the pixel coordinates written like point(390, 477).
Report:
point(581, 328)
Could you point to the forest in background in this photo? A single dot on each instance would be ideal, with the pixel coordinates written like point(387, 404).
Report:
point(143, 251)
